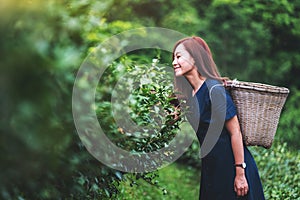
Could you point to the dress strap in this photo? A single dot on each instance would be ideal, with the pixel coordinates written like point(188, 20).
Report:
point(210, 90)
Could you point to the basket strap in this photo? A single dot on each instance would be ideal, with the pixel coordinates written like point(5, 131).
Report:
point(233, 83)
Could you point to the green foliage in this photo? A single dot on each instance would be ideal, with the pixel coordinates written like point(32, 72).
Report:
point(279, 171)
point(182, 18)
point(192, 156)
point(42, 156)
point(288, 127)
point(176, 181)
point(42, 46)
point(144, 93)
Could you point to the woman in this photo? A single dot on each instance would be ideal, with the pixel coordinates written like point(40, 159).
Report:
point(228, 169)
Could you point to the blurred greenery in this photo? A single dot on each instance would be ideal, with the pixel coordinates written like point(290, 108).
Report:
point(42, 45)
point(169, 184)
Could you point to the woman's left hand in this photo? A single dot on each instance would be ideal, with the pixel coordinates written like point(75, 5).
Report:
point(241, 184)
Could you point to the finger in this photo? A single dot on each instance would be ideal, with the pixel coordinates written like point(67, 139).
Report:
point(246, 189)
point(242, 192)
point(239, 192)
point(235, 188)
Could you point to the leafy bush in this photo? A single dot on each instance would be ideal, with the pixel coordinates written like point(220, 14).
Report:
point(289, 124)
point(144, 94)
point(42, 156)
point(279, 171)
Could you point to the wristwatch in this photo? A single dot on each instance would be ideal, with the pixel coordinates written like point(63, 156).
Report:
point(242, 165)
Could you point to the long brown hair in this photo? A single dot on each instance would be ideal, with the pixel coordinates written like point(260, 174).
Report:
point(204, 62)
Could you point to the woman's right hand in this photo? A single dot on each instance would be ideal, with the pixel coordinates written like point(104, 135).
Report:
point(240, 183)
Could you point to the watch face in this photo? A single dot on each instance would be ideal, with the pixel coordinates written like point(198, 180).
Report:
point(244, 165)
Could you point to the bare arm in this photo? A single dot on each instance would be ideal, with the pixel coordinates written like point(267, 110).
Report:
point(240, 182)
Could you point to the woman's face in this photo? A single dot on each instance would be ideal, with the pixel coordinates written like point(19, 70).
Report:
point(183, 62)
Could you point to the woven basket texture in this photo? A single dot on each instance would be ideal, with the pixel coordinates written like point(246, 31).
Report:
point(258, 108)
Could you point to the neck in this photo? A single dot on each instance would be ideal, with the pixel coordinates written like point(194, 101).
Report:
point(196, 80)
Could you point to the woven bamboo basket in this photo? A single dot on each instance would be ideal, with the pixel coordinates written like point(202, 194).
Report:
point(258, 109)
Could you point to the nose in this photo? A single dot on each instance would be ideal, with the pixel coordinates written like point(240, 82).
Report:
point(174, 63)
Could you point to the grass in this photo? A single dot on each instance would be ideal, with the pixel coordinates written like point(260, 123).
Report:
point(175, 182)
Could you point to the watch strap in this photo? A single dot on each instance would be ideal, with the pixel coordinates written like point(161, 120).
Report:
point(242, 165)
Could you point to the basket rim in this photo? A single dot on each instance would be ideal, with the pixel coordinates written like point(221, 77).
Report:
point(262, 87)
